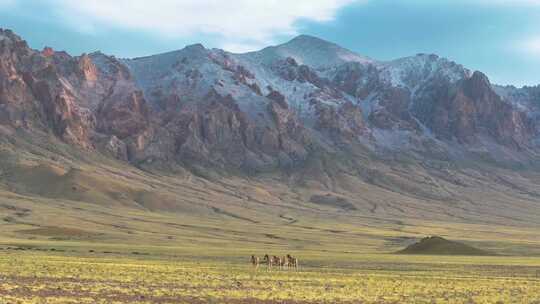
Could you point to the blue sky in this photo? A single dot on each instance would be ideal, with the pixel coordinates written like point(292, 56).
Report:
point(498, 37)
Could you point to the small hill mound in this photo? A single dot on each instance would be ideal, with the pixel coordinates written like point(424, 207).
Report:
point(441, 246)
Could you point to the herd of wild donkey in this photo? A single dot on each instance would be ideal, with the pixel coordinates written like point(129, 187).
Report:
point(285, 262)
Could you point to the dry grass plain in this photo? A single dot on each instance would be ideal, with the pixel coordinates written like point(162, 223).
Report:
point(29, 276)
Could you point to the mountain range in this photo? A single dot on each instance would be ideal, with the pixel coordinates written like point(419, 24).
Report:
point(295, 132)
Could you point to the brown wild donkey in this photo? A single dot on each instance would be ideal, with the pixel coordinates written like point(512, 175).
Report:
point(284, 263)
point(255, 261)
point(268, 261)
point(276, 261)
point(293, 262)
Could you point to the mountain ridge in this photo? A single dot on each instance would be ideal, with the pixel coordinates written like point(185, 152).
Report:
point(396, 95)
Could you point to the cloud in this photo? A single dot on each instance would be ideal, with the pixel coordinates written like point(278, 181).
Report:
point(239, 24)
point(531, 46)
point(7, 3)
point(243, 47)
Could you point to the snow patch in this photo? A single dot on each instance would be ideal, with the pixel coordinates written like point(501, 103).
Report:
point(410, 72)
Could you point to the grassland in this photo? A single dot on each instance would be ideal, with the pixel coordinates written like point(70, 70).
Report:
point(75, 277)
point(83, 228)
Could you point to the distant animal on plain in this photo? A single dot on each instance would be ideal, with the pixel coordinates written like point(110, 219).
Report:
point(255, 261)
point(267, 260)
point(285, 262)
point(293, 262)
point(276, 261)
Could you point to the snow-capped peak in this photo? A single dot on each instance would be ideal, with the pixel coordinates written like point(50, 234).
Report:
point(308, 50)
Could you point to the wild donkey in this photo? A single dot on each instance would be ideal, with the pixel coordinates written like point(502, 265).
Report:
point(276, 261)
point(268, 261)
point(284, 263)
point(293, 262)
point(255, 261)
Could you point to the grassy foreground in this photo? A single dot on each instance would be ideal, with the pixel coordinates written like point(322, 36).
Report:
point(99, 231)
point(98, 277)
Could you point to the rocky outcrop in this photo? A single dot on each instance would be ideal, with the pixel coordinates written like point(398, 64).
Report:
point(358, 80)
point(68, 96)
point(216, 132)
point(345, 122)
point(393, 111)
point(123, 115)
point(471, 108)
point(290, 70)
point(66, 119)
point(290, 134)
point(34, 94)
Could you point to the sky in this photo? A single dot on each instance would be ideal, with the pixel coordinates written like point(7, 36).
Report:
point(498, 37)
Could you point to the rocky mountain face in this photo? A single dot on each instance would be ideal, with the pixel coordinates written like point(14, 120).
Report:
point(262, 110)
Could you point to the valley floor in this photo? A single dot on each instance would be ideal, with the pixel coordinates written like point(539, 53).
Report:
point(99, 231)
point(76, 276)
